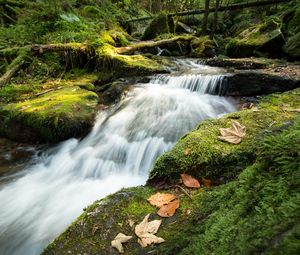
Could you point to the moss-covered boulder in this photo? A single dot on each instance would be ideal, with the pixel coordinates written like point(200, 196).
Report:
point(292, 47)
point(257, 212)
point(264, 39)
point(160, 25)
point(54, 116)
point(211, 158)
point(202, 47)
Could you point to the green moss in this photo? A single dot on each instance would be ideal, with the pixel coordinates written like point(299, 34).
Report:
point(293, 26)
point(102, 221)
point(54, 116)
point(202, 47)
point(159, 25)
point(292, 47)
point(210, 157)
point(256, 213)
point(265, 37)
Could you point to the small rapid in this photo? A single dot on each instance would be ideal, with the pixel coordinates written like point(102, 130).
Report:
point(119, 152)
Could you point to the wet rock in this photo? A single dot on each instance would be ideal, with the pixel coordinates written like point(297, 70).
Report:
point(251, 83)
point(237, 63)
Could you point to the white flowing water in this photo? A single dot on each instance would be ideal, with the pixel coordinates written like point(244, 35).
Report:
point(119, 152)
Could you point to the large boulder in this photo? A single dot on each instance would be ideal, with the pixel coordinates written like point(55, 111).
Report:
point(264, 39)
point(160, 25)
point(51, 117)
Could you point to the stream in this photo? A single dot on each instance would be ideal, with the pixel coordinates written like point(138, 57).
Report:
point(52, 189)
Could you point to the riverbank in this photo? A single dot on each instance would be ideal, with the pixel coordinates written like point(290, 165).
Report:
point(252, 200)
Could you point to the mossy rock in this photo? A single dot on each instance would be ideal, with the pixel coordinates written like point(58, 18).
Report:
point(54, 116)
point(292, 47)
point(212, 158)
point(264, 39)
point(160, 25)
point(256, 213)
point(202, 47)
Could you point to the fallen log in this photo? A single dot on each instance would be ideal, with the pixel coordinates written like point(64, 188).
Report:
point(230, 7)
point(15, 66)
point(151, 44)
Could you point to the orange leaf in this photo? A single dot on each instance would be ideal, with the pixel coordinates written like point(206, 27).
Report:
point(169, 209)
point(190, 181)
point(160, 199)
point(207, 183)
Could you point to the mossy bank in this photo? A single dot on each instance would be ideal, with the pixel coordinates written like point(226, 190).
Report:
point(252, 207)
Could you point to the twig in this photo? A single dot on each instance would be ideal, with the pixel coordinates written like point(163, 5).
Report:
point(184, 191)
point(46, 91)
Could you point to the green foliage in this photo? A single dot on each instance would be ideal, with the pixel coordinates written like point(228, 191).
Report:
point(292, 47)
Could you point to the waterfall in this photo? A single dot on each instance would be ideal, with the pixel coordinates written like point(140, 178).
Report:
point(118, 152)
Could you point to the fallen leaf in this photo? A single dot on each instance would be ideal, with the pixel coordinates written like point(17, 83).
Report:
point(187, 152)
point(131, 222)
point(146, 231)
point(160, 199)
point(234, 134)
point(119, 239)
point(207, 183)
point(169, 209)
point(190, 181)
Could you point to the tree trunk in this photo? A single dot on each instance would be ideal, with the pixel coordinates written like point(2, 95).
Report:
point(205, 18)
point(215, 22)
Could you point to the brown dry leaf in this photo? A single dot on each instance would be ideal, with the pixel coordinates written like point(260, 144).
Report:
point(234, 134)
point(190, 181)
point(146, 231)
point(119, 239)
point(207, 183)
point(169, 209)
point(187, 152)
point(160, 199)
